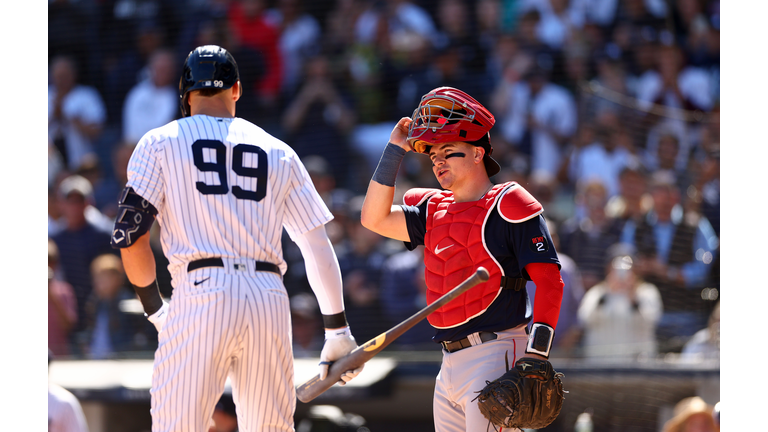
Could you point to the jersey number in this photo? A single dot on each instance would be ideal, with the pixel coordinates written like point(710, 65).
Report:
point(219, 167)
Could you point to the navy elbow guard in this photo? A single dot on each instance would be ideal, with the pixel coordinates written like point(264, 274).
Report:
point(135, 217)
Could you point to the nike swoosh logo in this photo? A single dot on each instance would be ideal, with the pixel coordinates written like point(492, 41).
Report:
point(199, 282)
point(438, 250)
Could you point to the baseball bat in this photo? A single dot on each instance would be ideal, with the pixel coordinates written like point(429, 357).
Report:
point(315, 386)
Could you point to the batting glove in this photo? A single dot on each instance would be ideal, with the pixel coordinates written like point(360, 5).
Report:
point(158, 318)
point(338, 343)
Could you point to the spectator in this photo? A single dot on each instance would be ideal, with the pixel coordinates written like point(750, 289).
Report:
point(111, 331)
point(65, 414)
point(319, 118)
point(619, 314)
point(568, 336)
point(602, 160)
point(633, 200)
point(300, 39)
point(678, 164)
point(403, 293)
point(539, 118)
point(76, 113)
point(674, 84)
point(361, 259)
point(79, 242)
point(707, 173)
point(705, 343)
point(57, 217)
point(697, 35)
point(457, 29)
point(154, 101)
point(107, 188)
point(251, 28)
point(692, 414)
point(403, 21)
point(587, 235)
point(305, 320)
point(675, 252)
point(556, 26)
point(62, 305)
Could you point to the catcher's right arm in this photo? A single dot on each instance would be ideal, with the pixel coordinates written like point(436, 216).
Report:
point(529, 396)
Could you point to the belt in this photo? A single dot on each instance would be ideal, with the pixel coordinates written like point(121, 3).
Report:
point(217, 262)
point(471, 340)
point(512, 283)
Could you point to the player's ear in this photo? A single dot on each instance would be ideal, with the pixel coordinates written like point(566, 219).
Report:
point(236, 93)
point(478, 154)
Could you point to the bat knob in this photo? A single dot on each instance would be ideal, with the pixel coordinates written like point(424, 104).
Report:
point(482, 274)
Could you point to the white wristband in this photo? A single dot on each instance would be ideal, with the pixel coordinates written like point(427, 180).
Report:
point(540, 339)
point(337, 333)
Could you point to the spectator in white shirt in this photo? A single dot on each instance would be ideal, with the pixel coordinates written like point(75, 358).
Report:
point(76, 113)
point(154, 101)
point(619, 315)
point(539, 118)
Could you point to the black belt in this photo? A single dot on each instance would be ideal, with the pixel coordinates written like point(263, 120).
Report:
point(466, 343)
point(512, 283)
point(217, 262)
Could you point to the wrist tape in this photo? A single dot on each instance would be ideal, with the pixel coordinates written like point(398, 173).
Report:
point(389, 165)
point(540, 339)
point(337, 333)
point(335, 321)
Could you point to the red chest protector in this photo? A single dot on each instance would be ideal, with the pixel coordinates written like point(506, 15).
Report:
point(455, 246)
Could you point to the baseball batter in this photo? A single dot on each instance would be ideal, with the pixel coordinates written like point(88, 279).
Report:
point(469, 223)
point(222, 190)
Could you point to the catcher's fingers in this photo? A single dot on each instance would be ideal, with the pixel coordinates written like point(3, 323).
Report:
point(399, 134)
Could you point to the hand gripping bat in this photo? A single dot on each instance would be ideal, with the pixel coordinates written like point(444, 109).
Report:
point(315, 386)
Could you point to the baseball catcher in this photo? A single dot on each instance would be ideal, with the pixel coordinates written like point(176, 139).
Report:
point(529, 396)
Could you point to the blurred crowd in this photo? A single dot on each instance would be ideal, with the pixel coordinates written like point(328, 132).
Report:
point(607, 111)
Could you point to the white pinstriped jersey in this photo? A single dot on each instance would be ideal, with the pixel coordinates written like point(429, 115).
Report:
point(223, 188)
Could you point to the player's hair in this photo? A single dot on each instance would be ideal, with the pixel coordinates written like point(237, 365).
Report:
point(209, 92)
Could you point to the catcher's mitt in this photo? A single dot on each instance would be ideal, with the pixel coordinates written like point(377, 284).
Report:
point(529, 396)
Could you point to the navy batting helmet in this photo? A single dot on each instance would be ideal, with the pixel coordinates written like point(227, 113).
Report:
point(208, 66)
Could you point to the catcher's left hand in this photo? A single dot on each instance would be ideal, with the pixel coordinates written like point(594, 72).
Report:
point(529, 396)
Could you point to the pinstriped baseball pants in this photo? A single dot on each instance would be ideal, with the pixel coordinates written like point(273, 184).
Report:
point(232, 324)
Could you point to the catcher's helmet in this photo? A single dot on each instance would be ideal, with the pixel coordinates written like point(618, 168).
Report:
point(447, 114)
point(208, 66)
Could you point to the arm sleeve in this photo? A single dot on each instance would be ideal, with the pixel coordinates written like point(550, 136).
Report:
point(549, 292)
point(323, 272)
